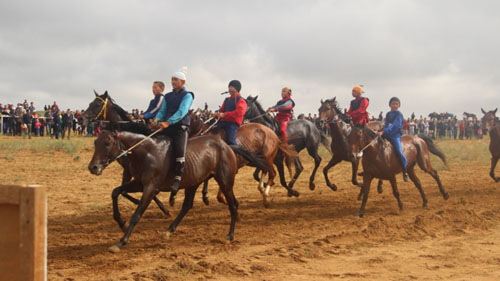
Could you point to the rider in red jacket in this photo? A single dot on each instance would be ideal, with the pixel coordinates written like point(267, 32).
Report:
point(358, 107)
point(285, 108)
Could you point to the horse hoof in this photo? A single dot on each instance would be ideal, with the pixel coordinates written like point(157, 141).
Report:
point(296, 193)
point(360, 215)
point(171, 201)
point(446, 196)
point(205, 201)
point(167, 235)
point(312, 186)
point(114, 249)
point(333, 187)
point(267, 203)
point(230, 237)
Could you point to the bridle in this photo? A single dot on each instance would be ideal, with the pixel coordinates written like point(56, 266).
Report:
point(103, 110)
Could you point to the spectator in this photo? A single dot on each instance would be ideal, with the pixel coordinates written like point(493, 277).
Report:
point(57, 123)
point(48, 121)
point(67, 123)
point(27, 119)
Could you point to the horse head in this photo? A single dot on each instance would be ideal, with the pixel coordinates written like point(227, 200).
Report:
point(96, 108)
point(106, 148)
point(489, 120)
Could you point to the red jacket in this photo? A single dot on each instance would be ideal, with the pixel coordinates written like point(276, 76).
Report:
point(358, 112)
point(236, 115)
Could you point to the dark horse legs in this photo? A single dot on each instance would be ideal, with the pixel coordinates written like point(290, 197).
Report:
point(494, 161)
point(125, 179)
point(278, 161)
point(147, 196)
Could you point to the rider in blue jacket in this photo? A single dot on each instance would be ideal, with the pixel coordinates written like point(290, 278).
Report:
point(393, 130)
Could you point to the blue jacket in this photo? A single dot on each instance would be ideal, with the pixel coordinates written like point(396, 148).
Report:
point(177, 111)
point(154, 107)
point(393, 124)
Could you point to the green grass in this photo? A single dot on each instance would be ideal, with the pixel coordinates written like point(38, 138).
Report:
point(10, 145)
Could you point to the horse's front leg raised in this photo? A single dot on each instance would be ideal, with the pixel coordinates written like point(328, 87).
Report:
point(147, 195)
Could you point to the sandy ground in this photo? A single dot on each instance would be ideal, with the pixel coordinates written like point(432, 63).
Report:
point(314, 237)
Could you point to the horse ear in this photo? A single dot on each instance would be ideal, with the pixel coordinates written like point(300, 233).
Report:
point(321, 101)
point(495, 111)
point(482, 110)
point(334, 99)
point(96, 94)
point(105, 93)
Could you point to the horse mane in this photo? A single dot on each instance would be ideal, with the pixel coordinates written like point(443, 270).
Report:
point(119, 110)
point(369, 132)
point(260, 109)
point(335, 105)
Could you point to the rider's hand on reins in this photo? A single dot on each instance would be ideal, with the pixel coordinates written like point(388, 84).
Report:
point(164, 125)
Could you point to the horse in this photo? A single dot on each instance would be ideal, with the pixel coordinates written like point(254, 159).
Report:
point(103, 107)
point(263, 141)
point(301, 134)
point(151, 164)
point(340, 129)
point(381, 161)
point(491, 123)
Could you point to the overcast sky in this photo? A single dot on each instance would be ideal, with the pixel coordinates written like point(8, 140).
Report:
point(434, 55)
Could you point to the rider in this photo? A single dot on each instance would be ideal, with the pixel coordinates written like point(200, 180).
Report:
point(357, 111)
point(284, 108)
point(156, 102)
point(232, 112)
point(393, 131)
point(174, 119)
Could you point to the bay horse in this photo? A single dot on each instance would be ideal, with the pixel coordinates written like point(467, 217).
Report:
point(340, 128)
point(302, 134)
point(151, 167)
point(261, 140)
point(491, 123)
point(381, 161)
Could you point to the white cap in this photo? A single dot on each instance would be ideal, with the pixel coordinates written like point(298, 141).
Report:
point(181, 73)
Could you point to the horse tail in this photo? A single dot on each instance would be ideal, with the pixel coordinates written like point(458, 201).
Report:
point(325, 142)
point(288, 149)
point(433, 148)
point(251, 157)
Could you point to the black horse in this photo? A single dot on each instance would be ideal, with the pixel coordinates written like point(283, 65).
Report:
point(301, 134)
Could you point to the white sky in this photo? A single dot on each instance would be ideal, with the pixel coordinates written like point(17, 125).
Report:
point(434, 55)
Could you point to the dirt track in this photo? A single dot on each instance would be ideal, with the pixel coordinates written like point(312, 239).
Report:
point(313, 237)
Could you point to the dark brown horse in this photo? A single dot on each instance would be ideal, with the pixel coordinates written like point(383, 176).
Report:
point(340, 129)
point(150, 165)
point(490, 122)
point(380, 161)
point(103, 107)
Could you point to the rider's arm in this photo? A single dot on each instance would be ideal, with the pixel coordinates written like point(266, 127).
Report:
point(395, 127)
point(183, 110)
point(150, 112)
point(286, 105)
point(161, 113)
point(237, 114)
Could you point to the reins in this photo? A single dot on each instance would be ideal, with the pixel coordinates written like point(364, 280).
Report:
point(126, 152)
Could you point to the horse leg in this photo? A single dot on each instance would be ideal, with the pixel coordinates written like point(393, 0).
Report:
point(317, 160)
point(425, 164)
point(367, 180)
point(189, 194)
point(264, 190)
point(256, 174)
point(278, 161)
point(116, 212)
point(334, 161)
point(395, 192)
point(355, 165)
point(494, 161)
point(435, 175)
point(204, 192)
point(232, 204)
point(416, 181)
point(298, 170)
point(161, 206)
point(379, 186)
point(147, 196)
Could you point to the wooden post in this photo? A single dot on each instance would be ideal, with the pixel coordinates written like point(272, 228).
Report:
point(23, 233)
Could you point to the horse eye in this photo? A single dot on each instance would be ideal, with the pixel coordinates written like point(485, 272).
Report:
point(107, 143)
